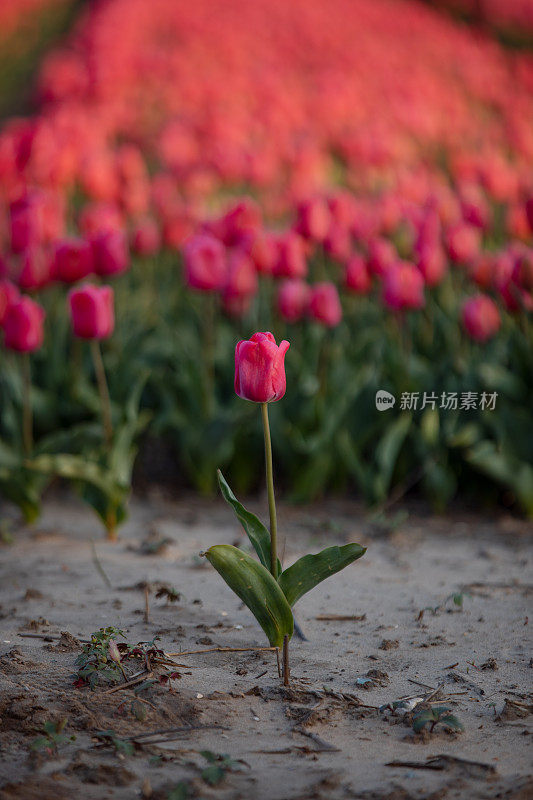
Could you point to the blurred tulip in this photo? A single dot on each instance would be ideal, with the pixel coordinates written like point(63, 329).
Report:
point(9, 294)
point(357, 277)
point(481, 318)
point(110, 253)
point(324, 304)
point(293, 299)
point(205, 263)
point(23, 325)
point(403, 287)
point(463, 243)
point(146, 238)
point(73, 260)
point(291, 259)
point(313, 219)
point(92, 312)
point(36, 269)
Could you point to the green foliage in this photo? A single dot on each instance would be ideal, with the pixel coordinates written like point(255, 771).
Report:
point(218, 766)
point(53, 737)
point(96, 661)
point(268, 599)
point(257, 589)
point(436, 715)
point(109, 738)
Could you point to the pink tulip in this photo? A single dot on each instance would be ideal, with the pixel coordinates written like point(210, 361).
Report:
point(92, 312)
point(260, 368)
point(293, 299)
point(313, 219)
point(403, 287)
point(291, 260)
point(205, 263)
point(24, 325)
point(324, 304)
point(73, 260)
point(110, 253)
point(146, 238)
point(9, 294)
point(481, 318)
point(357, 277)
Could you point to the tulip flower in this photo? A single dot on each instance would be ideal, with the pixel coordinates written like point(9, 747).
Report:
point(73, 260)
point(291, 260)
point(92, 316)
point(146, 238)
point(205, 263)
point(110, 253)
point(91, 311)
point(293, 299)
point(324, 304)
point(403, 287)
point(481, 318)
point(23, 325)
point(9, 294)
point(357, 277)
point(36, 271)
point(24, 332)
point(313, 219)
point(260, 368)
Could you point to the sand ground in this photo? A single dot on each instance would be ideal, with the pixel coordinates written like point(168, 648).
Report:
point(328, 735)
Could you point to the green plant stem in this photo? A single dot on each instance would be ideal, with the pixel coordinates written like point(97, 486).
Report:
point(208, 326)
point(270, 491)
point(104, 392)
point(27, 415)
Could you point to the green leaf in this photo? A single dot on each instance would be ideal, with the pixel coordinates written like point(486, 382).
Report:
point(311, 570)
point(452, 722)
point(257, 533)
point(257, 589)
point(422, 719)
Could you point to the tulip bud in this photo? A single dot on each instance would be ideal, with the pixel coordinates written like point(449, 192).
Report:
point(23, 325)
point(463, 243)
point(36, 271)
point(381, 256)
point(91, 311)
point(357, 277)
point(481, 318)
point(146, 238)
point(110, 253)
point(314, 219)
point(241, 280)
point(73, 260)
point(293, 299)
point(324, 304)
point(9, 294)
point(431, 262)
point(291, 261)
point(403, 287)
point(205, 263)
point(260, 368)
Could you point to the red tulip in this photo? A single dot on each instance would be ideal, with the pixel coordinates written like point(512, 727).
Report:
point(338, 242)
point(110, 253)
point(431, 262)
point(357, 277)
point(9, 294)
point(261, 247)
point(481, 318)
point(403, 287)
point(381, 256)
point(23, 325)
point(314, 219)
point(91, 311)
point(241, 278)
point(36, 271)
point(146, 238)
point(324, 304)
point(205, 263)
point(260, 368)
point(26, 223)
point(463, 242)
point(291, 260)
point(73, 260)
point(239, 221)
point(293, 299)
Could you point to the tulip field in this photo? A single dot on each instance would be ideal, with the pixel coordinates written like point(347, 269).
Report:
point(266, 399)
point(358, 181)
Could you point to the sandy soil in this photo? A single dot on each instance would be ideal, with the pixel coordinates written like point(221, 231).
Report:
point(326, 736)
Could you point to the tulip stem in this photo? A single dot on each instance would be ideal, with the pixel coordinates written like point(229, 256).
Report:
point(104, 392)
point(270, 491)
point(27, 415)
